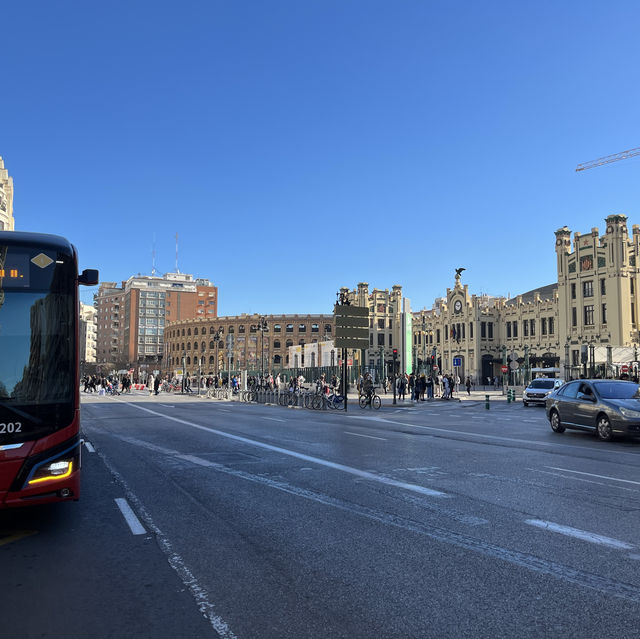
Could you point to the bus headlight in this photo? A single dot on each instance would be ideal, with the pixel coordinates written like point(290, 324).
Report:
point(52, 471)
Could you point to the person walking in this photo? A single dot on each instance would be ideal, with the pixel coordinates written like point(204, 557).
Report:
point(468, 385)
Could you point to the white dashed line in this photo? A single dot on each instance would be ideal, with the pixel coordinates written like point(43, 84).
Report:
point(129, 516)
point(89, 447)
point(579, 534)
point(346, 432)
point(578, 472)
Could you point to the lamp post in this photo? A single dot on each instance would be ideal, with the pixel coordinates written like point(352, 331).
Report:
point(184, 369)
point(566, 361)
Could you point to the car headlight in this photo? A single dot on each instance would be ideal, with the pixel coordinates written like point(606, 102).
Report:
point(627, 412)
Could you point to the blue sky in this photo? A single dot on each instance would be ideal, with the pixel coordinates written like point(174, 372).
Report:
point(300, 146)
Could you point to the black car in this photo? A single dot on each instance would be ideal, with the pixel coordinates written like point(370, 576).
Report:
point(604, 406)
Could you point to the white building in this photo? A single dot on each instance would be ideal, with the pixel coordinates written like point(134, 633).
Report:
point(88, 333)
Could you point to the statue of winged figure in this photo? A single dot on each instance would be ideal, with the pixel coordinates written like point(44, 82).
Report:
point(458, 271)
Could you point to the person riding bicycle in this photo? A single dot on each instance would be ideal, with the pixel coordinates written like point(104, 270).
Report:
point(367, 386)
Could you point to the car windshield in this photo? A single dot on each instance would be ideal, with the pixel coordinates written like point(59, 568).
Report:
point(618, 390)
point(541, 383)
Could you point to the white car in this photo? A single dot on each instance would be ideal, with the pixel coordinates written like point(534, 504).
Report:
point(539, 389)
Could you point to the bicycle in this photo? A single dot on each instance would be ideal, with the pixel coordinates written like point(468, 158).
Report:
point(332, 401)
point(370, 399)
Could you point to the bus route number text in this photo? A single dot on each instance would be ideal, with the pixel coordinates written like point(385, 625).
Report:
point(11, 427)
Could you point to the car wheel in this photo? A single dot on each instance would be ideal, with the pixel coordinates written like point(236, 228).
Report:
point(556, 424)
point(603, 429)
point(525, 403)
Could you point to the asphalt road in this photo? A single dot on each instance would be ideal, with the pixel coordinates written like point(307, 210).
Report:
point(432, 520)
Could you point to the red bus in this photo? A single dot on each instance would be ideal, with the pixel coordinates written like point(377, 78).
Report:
point(39, 368)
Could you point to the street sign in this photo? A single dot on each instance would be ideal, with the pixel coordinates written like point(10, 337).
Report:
point(352, 326)
point(514, 366)
point(513, 357)
point(349, 361)
point(504, 368)
point(457, 362)
point(624, 368)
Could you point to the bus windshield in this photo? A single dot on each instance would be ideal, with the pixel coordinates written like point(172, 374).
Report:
point(37, 342)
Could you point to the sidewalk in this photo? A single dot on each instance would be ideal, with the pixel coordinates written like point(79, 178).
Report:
point(458, 398)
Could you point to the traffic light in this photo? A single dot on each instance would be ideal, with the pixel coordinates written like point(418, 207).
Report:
point(395, 353)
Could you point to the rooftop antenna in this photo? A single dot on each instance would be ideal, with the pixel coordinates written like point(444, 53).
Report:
point(153, 257)
point(177, 269)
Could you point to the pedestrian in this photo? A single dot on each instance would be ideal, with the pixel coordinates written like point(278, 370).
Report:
point(156, 384)
point(468, 385)
point(445, 387)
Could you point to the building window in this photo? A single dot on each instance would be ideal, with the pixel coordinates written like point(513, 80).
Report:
point(302, 328)
point(603, 287)
point(574, 317)
point(195, 331)
point(381, 323)
point(574, 358)
point(543, 326)
point(533, 327)
point(276, 343)
point(515, 329)
point(573, 291)
point(390, 339)
point(370, 339)
point(483, 330)
point(288, 343)
point(525, 328)
point(551, 327)
point(289, 328)
point(490, 328)
point(380, 339)
point(632, 285)
point(277, 328)
point(587, 289)
point(327, 328)
point(315, 328)
point(508, 330)
point(438, 335)
point(588, 315)
point(470, 330)
point(633, 313)
point(390, 324)
point(253, 328)
point(241, 328)
point(604, 313)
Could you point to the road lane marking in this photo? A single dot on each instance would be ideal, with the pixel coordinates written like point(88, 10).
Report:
point(369, 436)
point(588, 481)
point(579, 534)
point(167, 405)
point(16, 536)
point(578, 472)
point(483, 435)
point(275, 419)
point(533, 563)
point(292, 453)
point(129, 516)
point(175, 560)
point(89, 447)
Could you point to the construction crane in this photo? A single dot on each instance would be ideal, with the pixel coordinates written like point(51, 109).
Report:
point(607, 159)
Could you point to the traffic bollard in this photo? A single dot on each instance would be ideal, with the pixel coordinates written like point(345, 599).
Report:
point(508, 395)
point(486, 402)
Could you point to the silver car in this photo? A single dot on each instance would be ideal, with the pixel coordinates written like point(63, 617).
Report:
point(539, 389)
point(606, 407)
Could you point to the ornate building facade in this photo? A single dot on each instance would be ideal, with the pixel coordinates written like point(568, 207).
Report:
point(242, 342)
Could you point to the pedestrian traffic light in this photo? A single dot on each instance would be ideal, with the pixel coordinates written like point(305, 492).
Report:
point(395, 352)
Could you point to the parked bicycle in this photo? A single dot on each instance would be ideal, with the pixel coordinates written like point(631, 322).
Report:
point(332, 400)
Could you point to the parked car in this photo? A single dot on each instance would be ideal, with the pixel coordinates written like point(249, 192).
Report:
point(604, 406)
point(539, 389)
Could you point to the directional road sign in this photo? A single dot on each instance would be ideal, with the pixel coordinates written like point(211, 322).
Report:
point(352, 326)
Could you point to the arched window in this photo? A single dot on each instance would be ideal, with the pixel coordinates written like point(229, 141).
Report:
point(302, 328)
point(188, 361)
point(183, 332)
point(289, 328)
point(212, 330)
point(289, 343)
point(188, 331)
point(277, 359)
point(212, 360)
point(327, 328)
point(276, 343)
point(286, 361)
point(188, 346)
point(203, 346)
point(277, 328)
point(315, 328)
point(231, 330)
point(241, 328)
point(182, 346)
point(195, 330)
point(212, 344)
point(301, 342)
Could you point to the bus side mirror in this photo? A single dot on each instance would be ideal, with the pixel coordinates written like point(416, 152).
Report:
point(88, 277)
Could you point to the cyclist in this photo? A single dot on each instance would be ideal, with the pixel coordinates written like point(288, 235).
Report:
point(367, 386)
